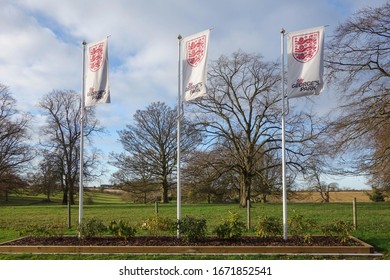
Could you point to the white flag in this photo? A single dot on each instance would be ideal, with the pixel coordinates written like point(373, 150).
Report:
point(195, 65)
point(97, 87)
point(305, 62)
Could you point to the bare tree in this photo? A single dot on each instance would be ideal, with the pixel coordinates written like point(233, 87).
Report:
point(15, 153)
point(134, 177)
point(242, 112)
point(48, 177)
point(11, 183)
point(207, 177)
point(151, 143)
point(324, 189)
point(210, 174)
point(316, 167)
point(61, 135)
point(359, 64)
point(268, 181)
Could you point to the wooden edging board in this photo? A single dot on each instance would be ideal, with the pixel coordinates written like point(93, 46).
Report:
point(364, 248)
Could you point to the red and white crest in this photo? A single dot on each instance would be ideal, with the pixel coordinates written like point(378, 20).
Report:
point(96, 57)
point(195, 50)
point(305, 46)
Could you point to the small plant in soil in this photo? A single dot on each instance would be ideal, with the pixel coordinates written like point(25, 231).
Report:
point(192, 229)
point(269, 227)
point(92, 227)
point(121, 229)
point(299, 225)
point(157, 225)
point(340, 229)
point(231, 228)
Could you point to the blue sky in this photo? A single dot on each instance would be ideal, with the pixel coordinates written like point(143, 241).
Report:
point(41, 48)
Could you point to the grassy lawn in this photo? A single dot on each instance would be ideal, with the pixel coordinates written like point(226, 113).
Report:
point(15, 215)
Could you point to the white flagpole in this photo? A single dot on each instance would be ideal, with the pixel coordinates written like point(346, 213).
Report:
point(285, 225)
point(178, 202)
point(81, 175)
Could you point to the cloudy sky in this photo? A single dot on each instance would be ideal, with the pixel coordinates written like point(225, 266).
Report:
point(40, 45)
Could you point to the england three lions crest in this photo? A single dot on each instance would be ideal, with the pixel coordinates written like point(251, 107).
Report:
point(195, 50)
point(96, 57)
point(305, 46)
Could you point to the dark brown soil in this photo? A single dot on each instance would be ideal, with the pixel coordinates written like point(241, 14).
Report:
point(173, 241)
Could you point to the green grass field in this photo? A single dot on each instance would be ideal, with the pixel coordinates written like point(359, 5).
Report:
point(20, 212)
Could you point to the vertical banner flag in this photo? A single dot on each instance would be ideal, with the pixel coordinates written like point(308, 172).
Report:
point(195, 65)
point(305, 62)
point(97, 86)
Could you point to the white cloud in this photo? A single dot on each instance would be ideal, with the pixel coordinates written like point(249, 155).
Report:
point(33, 61)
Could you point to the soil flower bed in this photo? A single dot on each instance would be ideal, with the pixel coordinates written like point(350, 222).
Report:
point(173, 245)
point(174, 241)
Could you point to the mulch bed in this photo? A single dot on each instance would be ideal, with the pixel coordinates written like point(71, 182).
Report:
point(173, 241)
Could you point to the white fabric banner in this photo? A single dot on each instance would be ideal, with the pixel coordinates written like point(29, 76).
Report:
point(195, 65)
point(305, 62)
point(97, 87)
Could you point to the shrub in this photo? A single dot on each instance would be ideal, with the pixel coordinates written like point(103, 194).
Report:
point(91, 228)
point(376, 195)
point(299, 225)
point(121, 229)
point(340, 229)
point(159, 224)
point(231, 228)
point(269, 227)
point(192, 229)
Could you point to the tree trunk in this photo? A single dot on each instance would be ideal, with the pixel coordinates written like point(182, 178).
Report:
point(245, 189)
point(165, 187)
point(71, 195)
point(64, 189)
point(325, 196)
point(65, 196)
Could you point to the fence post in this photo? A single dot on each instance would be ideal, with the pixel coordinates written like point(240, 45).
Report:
point(354, 213)
point(69, 210)
point(156, 207)
point(248, 211)
point(69, 214)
